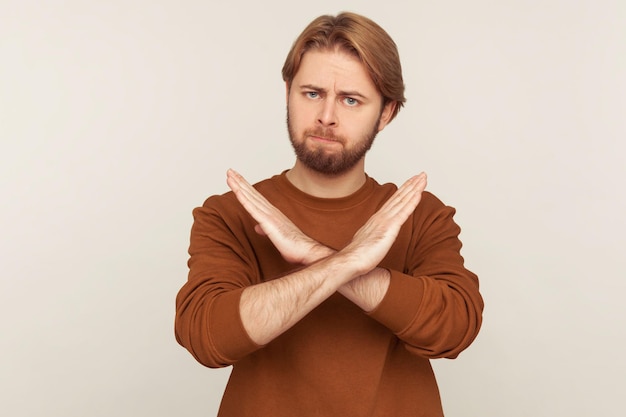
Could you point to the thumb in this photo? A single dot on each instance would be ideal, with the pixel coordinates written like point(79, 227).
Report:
point(259, 230)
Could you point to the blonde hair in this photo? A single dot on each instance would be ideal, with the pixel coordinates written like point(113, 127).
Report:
point(361, 37)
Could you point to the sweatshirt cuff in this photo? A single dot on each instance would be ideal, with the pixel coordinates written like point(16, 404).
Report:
point(232, 342)
point(400, 304)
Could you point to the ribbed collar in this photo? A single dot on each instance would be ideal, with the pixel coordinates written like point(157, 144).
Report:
point(341, 203)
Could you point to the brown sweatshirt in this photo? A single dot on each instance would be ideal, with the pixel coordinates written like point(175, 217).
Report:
point(338, 360)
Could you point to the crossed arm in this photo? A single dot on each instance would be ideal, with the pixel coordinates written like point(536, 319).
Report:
point(270, 308)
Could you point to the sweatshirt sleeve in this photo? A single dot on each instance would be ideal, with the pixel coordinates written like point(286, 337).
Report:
point(434, 306)
point(207, 321)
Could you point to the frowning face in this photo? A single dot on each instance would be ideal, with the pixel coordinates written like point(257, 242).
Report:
point(334, 111)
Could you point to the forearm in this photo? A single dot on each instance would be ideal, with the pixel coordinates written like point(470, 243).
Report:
point(270, 308)
point(367, 291)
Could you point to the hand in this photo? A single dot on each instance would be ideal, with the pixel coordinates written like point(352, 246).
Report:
point(293, 245)
point(373, 240)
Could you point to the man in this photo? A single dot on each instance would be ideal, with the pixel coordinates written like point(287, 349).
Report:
point(327, 292)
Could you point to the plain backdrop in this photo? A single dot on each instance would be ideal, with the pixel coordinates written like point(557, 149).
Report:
point(118, 117)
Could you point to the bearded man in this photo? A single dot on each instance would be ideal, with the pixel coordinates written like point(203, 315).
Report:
point(327, 292)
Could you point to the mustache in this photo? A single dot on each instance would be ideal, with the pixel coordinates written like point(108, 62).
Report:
point(324, 133)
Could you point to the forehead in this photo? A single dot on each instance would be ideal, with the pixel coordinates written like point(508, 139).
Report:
point(334, 69)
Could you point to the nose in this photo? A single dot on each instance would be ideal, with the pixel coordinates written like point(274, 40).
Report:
point(328, 115)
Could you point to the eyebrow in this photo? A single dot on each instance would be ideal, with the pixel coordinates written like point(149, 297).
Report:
point(323, 90)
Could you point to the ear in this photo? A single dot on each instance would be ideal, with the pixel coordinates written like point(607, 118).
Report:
point(287, 87)
point(386, 115)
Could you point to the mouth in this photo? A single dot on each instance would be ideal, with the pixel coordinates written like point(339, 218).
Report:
point(323, 139)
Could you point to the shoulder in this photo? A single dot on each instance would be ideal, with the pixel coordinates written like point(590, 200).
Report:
point(433, 214)
point(430, 204)
point(226, 202)
point(431, 200)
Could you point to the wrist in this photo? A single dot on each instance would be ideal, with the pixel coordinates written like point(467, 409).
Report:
point(367, 291)
point(317, 252)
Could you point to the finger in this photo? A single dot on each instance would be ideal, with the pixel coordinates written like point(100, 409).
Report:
point(405, 194)
point(410, 186)
point(231, 180)
point(260, 230)
point(265, 213)
point(413, 186)
point(247, 199)
point(246, 193)
point(411, 198)
point(236, 180)
point(256, 200)
point(397, 209)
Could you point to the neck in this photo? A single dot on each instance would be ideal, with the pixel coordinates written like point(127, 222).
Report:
point(327, 186)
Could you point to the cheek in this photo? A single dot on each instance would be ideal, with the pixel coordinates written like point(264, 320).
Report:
point(364, 124)
point(298, 115)
point(294, 122)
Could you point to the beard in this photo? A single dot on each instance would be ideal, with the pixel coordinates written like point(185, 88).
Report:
point(323, 161)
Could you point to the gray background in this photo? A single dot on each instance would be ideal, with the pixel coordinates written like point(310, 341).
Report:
point(118, 117)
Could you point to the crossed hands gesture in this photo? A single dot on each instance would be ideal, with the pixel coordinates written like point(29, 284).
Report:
point(369, 245)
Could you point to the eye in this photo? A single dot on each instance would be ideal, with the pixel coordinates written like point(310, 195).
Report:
point(312, 94)
point(350, 101)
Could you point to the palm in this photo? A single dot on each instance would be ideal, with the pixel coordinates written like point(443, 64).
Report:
point(293, 245)
point(373, 240)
